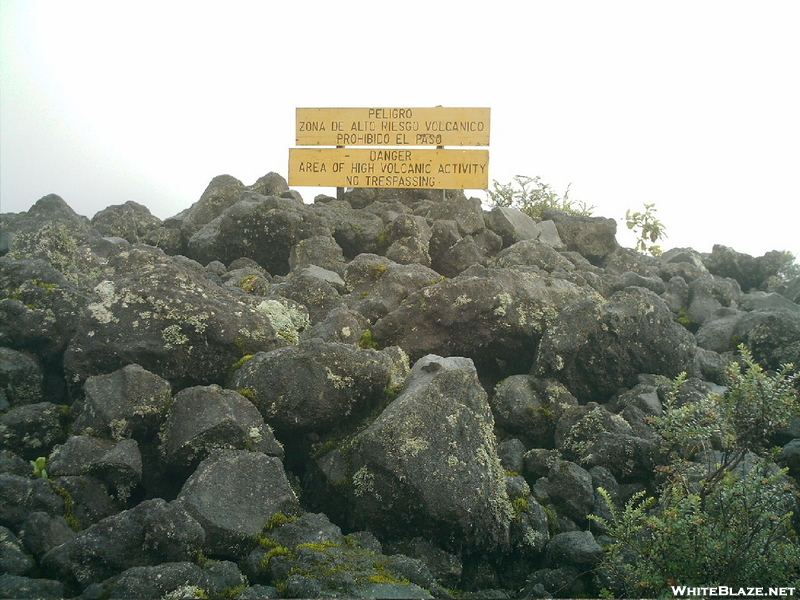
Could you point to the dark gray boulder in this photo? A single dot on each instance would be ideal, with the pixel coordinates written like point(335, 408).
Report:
point(452, 252)
point(130, 221)
point(319, 250)
point(512, 225)
point(222, 192)
point(568, 487)
point(91, 501)
point(378, 285)
point(773, 337)
point(170, 319)
point(485, 314)
point(314, 386)
point(33, 429)
point(592, 237)
point(21, 379)
point(341, 325)
point(466, 212)
point(15, 586)
point(20, 496)
point(751, 272)
point(151, 533)
point(42, 532)
point(232, 494)
point(13, 557)
point(130, 402)
point(597, 347)
point(716, 332)
point(428, 465)
point(534, 253)
point(205, 418)
point(264, 228)
point(574, 548)
point(530, 407)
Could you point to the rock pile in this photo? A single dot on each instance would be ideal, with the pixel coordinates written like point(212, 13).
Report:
point(389, 395)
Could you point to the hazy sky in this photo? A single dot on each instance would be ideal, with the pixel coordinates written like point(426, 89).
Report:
point(691, 105)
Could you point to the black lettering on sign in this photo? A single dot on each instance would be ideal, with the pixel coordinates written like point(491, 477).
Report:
point(312, 126)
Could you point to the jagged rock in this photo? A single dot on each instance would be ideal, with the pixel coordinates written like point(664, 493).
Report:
point(317, 295)
point(378, 285)
point(763, 301)
point(39, 309)
point(20, 496)
point(130, 402)
point(319, 250)
point(596, 347)
point(232, 494)
point(90, 500)
point(707, 295)
point(453, 252)
point(151, 533)
point(15, 586)
point(130, 221)
point(574, 548)
point(314, 386)
point(205, 418)
point(173, 580)
point(33, 429)
point(716, 332)
point(750, 272)
point(13, 558)
point(21, 379)
point(592, 436)
point(120, 468)
point(222, 192)
point(314, 560)
point(13, 463)
point(773, 337)
point(512, 225)
point(484, 314)
point(356, 231)
point(466, 212)
point(168, 319)
point(341, 325)
point(42, 532)
point(264, 228)
point(530, 407)
point(409, 480)
point(593, 237)
point(683, 262)
point(409, 238)
point(569, 488)
point(533, 253)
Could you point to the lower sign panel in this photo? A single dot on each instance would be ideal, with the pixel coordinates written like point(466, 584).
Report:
point(389, 168)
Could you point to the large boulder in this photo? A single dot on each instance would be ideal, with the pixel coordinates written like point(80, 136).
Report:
point(232, 494)
point(314, 386)
point(151, 533)
point(130, 221)
point(264, 228)
point(204, 418)
point(485, 314)
point(428, 465)
point(169, 318)
point(593, 237)
point(597, 347)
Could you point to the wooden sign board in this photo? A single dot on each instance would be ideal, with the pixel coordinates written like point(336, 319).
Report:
point(434, 169)
point(434, 126)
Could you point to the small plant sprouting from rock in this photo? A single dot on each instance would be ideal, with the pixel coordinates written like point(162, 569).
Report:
point(725, 511)
point(40, 467)
point(648, 228)
point(533, 196)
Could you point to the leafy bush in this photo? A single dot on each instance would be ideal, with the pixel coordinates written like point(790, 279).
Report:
point(648, 228)
point(724, 514)
point(532, 196)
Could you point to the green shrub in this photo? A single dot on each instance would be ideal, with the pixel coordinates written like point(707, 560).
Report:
point(532, 196)
point(648, 227)
point(724, 512)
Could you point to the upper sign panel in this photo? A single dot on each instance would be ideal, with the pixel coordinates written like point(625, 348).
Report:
point(436, 126)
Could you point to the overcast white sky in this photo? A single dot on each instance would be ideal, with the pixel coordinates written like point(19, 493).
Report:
point(691, 105)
